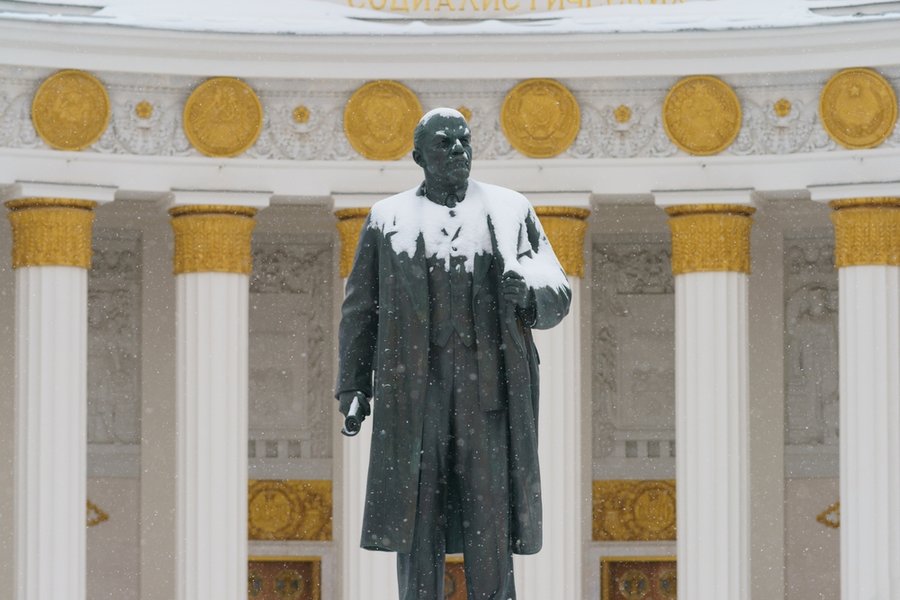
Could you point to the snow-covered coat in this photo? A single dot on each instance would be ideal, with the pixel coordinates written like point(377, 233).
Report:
point(384, 343)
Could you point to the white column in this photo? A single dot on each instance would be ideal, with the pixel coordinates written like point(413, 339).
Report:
point(867, 254)
point(51, 255)
point(365, 574)
point(711, 262)
point(212, 266)
point(556, 571)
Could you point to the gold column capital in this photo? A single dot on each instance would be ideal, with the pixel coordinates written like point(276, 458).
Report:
point(566, 227)
point(51, 232)
point(213, 238)
point(866, 231)
point(349, 226)
point(710, 237)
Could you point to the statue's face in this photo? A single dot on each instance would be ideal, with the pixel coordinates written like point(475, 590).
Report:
point(446, 149)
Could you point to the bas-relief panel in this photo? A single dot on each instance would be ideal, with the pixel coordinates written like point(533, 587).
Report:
point(634, 363)
point(290, 349)
point(811, 341)
point(114, 328)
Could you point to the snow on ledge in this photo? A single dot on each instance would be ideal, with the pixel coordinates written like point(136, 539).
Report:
point(324, 17)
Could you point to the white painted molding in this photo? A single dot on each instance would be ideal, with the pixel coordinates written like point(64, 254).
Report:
point(204, 54)
point(576, 199)
point(39, 189)
point(302, 179)
point(228, 197)
point(827, 193)
point(666, 198)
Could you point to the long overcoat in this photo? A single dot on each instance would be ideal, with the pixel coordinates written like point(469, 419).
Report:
point(383, 352)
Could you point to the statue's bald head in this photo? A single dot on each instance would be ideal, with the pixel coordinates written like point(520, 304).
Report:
point(443, 148)
point(435, 117)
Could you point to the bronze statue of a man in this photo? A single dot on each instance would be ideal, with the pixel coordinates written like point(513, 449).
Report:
point(448, 282)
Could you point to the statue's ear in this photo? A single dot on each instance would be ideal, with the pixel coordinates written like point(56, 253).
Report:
point(417, 156)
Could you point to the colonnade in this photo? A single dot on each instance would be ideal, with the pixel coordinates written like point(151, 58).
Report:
point(711, 262)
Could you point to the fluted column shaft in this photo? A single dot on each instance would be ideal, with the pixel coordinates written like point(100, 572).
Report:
point(212, 267)
point(555, 572)
point(365, 574)
point(867, 254)
point(711, 262)
point(51, 255)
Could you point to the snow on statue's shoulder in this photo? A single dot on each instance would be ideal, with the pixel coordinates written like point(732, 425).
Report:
point(520, 238)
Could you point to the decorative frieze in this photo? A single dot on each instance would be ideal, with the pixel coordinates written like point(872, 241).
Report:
point(349, 225)
point(540, 118)
point(630, 511)
point(70, 110)
point(51, 232)
point(290, 340)
point(565, 227)
point(222, 117)
point(147, 117)
point(710, 237)
point(290, 510)
point(633, 389)
point(212, 238)
point(379, 120)
point(858, 108)
point(114, 333)
point(811, 342)
point(866, 232)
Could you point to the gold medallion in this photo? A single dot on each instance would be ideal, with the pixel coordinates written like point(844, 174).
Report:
point(223, 117)
point(379, 120)
point(858, 108)
point(540, 118)
point(702, 115)
point(70, 110)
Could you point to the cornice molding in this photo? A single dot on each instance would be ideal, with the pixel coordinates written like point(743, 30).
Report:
point(127, 49)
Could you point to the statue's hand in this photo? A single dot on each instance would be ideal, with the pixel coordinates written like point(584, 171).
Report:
point(514, 289)
point(345, 399)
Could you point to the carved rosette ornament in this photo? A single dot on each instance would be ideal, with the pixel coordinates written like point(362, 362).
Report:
point(710, 237)
point(858, 108)
point(213, 238)
point(379, 120)
point(290, 510)
point(540, 118)
point(223, 117)
point(70, 110)
point(866, 232)
point(702, 115)
point(626, 510)
point(349, 225)
point(51, 232)
point(565, 227)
